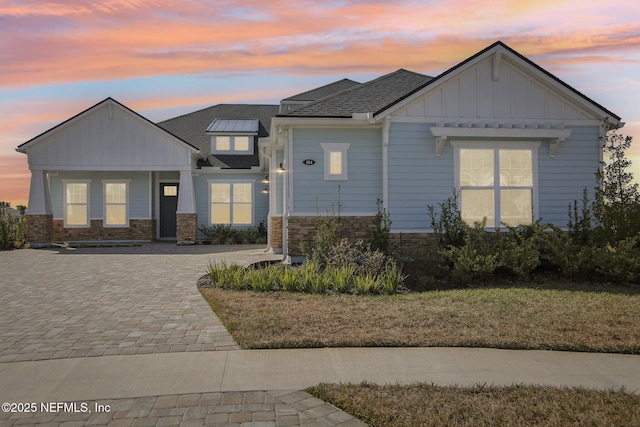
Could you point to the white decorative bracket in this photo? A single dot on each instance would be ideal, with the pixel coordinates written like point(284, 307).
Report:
point(440, 141)
point(554, 146)
point(506, 131)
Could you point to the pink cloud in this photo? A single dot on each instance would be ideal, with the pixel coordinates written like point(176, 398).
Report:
point(15, 179)
point(118, 39)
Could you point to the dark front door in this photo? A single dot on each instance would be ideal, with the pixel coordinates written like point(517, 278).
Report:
point(168, 208)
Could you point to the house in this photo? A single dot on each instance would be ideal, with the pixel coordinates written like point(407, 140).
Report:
point(517, 144)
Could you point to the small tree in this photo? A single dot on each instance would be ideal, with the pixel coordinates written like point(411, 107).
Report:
point(617, 203)
point(379, 232)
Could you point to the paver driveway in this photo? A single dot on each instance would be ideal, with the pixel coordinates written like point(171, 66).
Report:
point(59, 303)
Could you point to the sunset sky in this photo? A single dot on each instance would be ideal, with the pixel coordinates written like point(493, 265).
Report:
point(163, 58)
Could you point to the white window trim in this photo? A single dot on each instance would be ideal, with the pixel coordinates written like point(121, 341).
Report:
point(500, 145)
point(233, 181)
point(343, 148)
point(64, 202)
point(232, 145)
point(104, 202)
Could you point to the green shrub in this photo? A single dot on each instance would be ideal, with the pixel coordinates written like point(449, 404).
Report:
point(225, 234)
point(620, 263)
point(379, 233)
point(476, 258)
point(357, 254)
point(581, 227)
point(517, 253)
point(448, 225)
point(328, 234)
point(570, 258)
point(12, 229)
point(617, 201)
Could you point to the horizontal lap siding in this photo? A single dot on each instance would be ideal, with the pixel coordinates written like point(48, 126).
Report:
point(562, 179)
point(138, 192)
point(358, 194)
point(417, 177)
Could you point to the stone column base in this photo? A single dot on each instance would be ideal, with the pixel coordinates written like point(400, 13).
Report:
point(301, 229)
point(39, 230)
point(186, 228)
point(275, 228)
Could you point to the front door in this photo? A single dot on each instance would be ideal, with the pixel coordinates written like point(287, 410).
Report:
point(168, 208)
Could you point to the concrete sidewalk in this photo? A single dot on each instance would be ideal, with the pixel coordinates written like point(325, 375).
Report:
point(280, 372)
point(248, 370)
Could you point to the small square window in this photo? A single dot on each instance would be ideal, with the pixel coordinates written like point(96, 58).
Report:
point(223, 143)
point(335, 161)
point(241, 143)
point(170, 191)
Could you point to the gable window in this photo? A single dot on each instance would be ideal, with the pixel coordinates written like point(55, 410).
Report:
point(232, 144)
point(497, 184)
point(116, 200)
point(76, 203)
point(231, 203)
point(335, 161)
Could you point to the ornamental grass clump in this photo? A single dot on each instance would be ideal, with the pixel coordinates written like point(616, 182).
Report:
point(289, 279)
point(366, 284)
point(307, 278)
point(342, 278)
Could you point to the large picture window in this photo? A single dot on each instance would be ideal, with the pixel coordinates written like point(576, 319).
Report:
point(116, 198)
point(496, 184)
point(76, 203)
point(231, 203)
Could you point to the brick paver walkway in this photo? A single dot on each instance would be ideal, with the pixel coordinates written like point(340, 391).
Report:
point(64, 303)
point(256, 408)
point(108, 301)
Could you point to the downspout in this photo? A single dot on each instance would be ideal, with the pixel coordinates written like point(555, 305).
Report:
point(287, 182)
point(386, 126)
point(263, 149)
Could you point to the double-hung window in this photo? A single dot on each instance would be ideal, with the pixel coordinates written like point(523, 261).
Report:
point(116, 200)
point(497, 184)
point(76, 203)
point(231, 203)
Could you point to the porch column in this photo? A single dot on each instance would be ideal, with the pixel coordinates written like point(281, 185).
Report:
point(186, 216)
point(39, 215)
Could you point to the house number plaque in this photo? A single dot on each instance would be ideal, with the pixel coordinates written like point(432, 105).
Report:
point(309, 162)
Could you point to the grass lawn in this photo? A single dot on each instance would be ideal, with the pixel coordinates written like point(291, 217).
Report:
point(555, 317)
point(520, 405)
point(551, 316)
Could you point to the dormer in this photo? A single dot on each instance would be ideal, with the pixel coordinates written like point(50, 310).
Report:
point(233, 136)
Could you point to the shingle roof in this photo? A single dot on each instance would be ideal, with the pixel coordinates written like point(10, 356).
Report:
point(192, 128)
point(372, 96)
point(323, 91)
